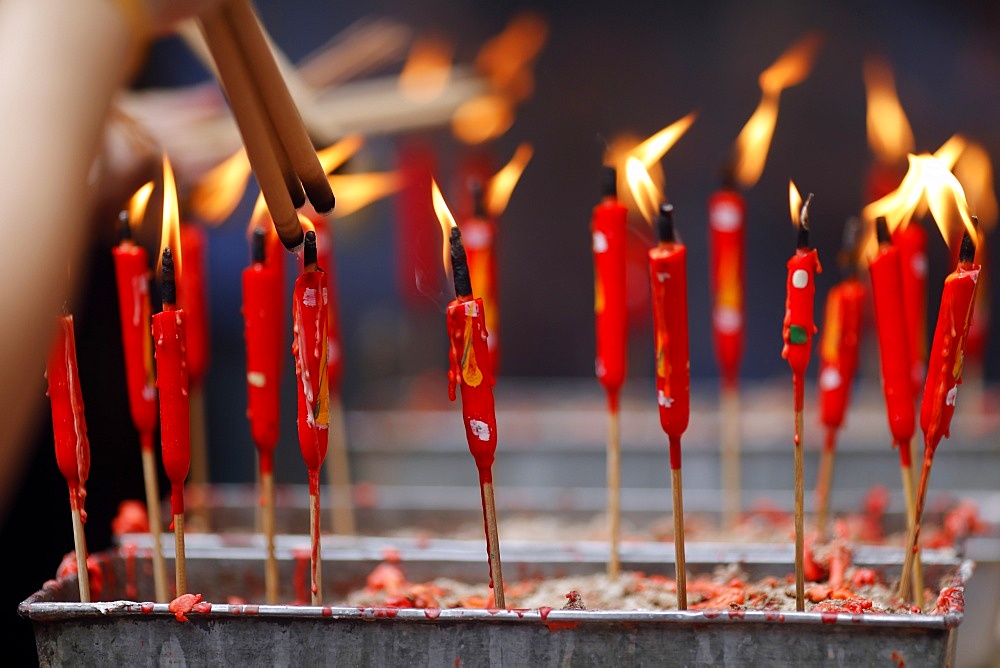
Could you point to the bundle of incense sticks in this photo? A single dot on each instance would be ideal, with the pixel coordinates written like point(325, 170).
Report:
point(278, 145)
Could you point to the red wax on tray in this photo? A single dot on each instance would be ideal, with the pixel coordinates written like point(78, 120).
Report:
point(609, 244)
point(727, 266)
point(69, 426)
point(668, 277)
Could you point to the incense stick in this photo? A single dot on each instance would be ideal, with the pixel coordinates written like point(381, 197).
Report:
point(153, 513)
point(800, 583)
point(338, 471)
point(824, 481)
point(316, 586)
point(278, 103)
point(614, 491)
point(180, 562)
point(909, 498)
point(80, 546)
point(730, 432)
point(264, 150)
point(913, 539)
point(680, 560)
point(493, 543)
point(267, 526)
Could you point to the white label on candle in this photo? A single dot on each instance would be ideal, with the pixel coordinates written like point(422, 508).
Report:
point(480, 429)
point(728, 320)
point(951, 396)
point(256, 378)
point(919, 264)
point(600, 242)
point(309, 297)
point(830, 378)
point(725, 217)
point(472, 308)
point(662, 276)
point(664, 400)
point(800, 278)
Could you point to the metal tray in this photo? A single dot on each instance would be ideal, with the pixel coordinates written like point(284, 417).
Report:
point(134, 632)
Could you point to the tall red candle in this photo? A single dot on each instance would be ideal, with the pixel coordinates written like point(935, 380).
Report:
point(416, 241)
point(911, 240)
point(479, 238)
point(132, 280)
point(170, 340)
point(839, 350)
point(192, 296)
point(944, 370)
point(263, 315)
point(894, 343)
point(324, 258)
point(69, 425)
point(727, 267)
point(799, 327)
point(608, 229)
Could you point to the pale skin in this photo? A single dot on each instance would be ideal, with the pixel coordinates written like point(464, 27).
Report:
point(61, 63)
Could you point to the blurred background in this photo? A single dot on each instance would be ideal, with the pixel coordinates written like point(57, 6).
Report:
point(596, 75)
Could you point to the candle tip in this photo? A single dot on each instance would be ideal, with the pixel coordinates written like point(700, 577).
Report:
point(309, 252)
point(882, 231)
point(258, 251)
point(609, 181)
point(803, 240)
point(967, 252)
point(169, 285)
point(124, 226)
point(849, 244)
point(665, 223)
point(459, 265)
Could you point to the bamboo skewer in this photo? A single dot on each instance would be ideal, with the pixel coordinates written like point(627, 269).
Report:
point(80, 546)
point(730, 432)
point(913, 537)
point(493, 544)
point(824, 481)
point(911, 517)
point(267, 526)
point(153, 513)
point(180, 562)
point(338, 472)
point(614, 492)
point(680, 560)
point(800, 583)
point(198, 486)
point(314, 536)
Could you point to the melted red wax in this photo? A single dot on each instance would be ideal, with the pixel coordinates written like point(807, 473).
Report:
point(131, 518)
point(169, 339)
point(183, 604)
point(668, 279)
point(900, 661)
point(608, 229)
point(95, 575)
point(774, 616)
point(147, 608)
point(69, 425)
point(561, 626)
point(131, 589)
point(827, 617)
point(310, 349)
point(951, 599)
point(894, 346)
point(727, 266)
point(324, 258)
point(544, 612)
point(327, 611)
point(432, 613)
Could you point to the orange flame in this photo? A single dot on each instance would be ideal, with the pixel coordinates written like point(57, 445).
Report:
point(975, 172)
point(427, 69)
point(506, 59)
point(336, 154)
point(356, 191)
point(447, 222)
point(219, 192)
point(482, 118)
point(501, 186)
point(794, 203)
point(644, 190)
point(137, 205)
point(889, 133)
point(754, 140)
point(655, 147)
point(170, 226)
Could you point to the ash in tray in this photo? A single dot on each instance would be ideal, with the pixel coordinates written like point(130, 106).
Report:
point(844, 588)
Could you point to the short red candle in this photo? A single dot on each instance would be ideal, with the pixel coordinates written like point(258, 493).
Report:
point(894, 352)
point(608, 229)
point(944, 370)
point(911, 241)
point(727, 267)
point(469, 370)
point(69, 426)
point(192, 296)
point(262, 310)
point(668, 277)
point(839, 350)
point(799, 327)
point(170, 340)
point(132, 279)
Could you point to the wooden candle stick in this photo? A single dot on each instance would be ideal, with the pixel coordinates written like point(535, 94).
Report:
point(798, 330)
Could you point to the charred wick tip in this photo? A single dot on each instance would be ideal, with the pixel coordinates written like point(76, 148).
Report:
point(967, 251)
point(727, 176)
point(803, 238)
point(168, 290)
point(257, 246)
point(609, 181)
point(124, 226)
point(459, 265)
point(309, 253)
point(882, 231)
point(665, 224)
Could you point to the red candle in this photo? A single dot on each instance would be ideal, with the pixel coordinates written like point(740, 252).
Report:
point(839, 352)
point(479, 237)
point(944, 370)
point(668, 277)
point(170, 340)
point(69, 426)
point(799, 326)
point(263, 315)
point(324, 255)
point(894, 352)
point(416, 240)
point(727, 266)
point(192, 296)
point(608, 229)
point(132, 279)
point(911, 240)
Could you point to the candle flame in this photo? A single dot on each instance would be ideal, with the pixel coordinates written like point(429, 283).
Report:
point(336, 154)
point(889, 133)
point(645, 192)
point(356, 191)
point(507, 58)
point(482, 118)
point(975, 172)
point(501, 186)
point(137, 205)
point(427, 69)
point(447, 222)
point(219, 192)
point(754, 140)
point(655, 147)
point(794, 203)
point(170, 226)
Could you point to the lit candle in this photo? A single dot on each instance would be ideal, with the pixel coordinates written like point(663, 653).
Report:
point(668, 277)
point(798, 330)
point(310, 313)
point(479, 238)
point(69, 429)
point(469, 372)
point(415, 242)
point(727, 267)
point(911, 240)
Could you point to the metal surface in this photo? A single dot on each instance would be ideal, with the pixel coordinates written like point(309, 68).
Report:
point(131, 632)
